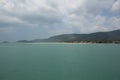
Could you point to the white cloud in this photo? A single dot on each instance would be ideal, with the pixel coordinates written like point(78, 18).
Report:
point(59, 16)
point(114, 22)
point(116, 6)
point(10, 19)
point(95, 6)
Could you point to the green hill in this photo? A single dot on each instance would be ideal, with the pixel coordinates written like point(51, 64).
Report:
point(98, 37)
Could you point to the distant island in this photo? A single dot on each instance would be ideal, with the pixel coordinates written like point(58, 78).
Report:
point(98, 37)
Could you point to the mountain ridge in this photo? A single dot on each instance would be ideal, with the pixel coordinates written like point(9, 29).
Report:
point(97, 37)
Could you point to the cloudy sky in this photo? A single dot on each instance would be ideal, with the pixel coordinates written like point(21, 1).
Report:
point(31, 19)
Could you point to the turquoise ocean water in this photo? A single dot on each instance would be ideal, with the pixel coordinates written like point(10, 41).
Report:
point(59, 61)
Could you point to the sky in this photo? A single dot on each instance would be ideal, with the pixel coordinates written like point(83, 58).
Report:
point(38, 19)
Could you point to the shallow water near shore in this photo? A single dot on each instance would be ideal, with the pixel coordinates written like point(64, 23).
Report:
point(51, 61)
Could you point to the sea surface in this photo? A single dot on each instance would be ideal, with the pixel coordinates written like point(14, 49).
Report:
point(55, 61)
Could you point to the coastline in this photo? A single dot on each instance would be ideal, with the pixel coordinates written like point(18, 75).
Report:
point(64, 43)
